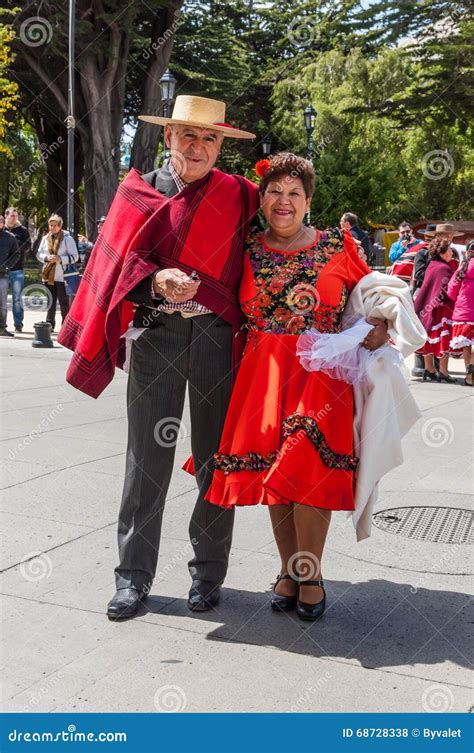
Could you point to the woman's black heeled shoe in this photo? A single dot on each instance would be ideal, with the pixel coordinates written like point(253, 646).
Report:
point(311, 611)
point(430, 376)
point(446, 378)
point(469, 373)
point(283, 603)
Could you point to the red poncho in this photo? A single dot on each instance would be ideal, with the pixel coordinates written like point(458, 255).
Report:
point(201, 228)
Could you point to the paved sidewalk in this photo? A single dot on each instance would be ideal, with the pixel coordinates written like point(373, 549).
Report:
point(394, 636)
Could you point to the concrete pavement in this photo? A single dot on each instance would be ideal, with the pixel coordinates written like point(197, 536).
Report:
point(395, 636)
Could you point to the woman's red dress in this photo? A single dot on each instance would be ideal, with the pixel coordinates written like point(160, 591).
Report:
point(288, 432)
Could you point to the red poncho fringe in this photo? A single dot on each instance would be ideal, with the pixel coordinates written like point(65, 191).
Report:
point(202, 228)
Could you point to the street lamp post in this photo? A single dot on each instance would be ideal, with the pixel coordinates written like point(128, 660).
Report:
point(167, 86)
point(309, 116)
point(70, 122)
point(267, 145)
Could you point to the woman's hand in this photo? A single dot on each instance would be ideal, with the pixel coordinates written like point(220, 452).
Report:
point(377, 336)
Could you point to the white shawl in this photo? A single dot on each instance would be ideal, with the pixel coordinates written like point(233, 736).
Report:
point(384, 406)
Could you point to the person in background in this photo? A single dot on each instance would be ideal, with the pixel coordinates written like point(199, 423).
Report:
point(422, 257)
point(17, 274)
point(9, 255)
point(350, 222)
point(57, 249)
point(406, 240)
point(86, 246)
point(461, 291)
point(434, 309)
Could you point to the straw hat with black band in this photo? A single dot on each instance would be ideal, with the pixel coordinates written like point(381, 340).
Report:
point(445, 228)
point(200, 112)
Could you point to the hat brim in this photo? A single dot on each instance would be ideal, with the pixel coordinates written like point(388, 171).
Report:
point(227, 131)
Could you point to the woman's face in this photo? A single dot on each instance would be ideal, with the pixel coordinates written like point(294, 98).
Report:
point(447, 255)
point(284, 204)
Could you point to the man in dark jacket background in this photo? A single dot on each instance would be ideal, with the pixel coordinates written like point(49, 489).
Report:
point(17, 274)
point(350, 222)
point(9, 255)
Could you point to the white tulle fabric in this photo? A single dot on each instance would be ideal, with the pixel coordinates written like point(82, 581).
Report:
point(340, 356)
point(384, 408)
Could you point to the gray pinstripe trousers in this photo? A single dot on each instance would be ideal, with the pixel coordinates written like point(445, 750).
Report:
point(196, 351)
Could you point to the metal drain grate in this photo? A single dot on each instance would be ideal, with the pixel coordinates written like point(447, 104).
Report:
point(440, 525)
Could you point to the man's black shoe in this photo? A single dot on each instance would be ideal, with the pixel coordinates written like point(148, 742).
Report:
point(124, 604)
point(203, 596)
point(18, 327)
point(6, 333)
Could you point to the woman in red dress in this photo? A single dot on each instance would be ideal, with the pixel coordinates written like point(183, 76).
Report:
point(435, 310)
point(287, 440)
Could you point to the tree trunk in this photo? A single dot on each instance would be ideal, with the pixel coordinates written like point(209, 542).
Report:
point(147, 136)
point(53, 147)
point(104, 91)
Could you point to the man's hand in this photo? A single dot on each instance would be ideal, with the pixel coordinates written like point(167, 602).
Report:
point(174, 285)
point(360, 250)
point(377, 336)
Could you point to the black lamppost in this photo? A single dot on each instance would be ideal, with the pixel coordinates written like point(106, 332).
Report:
point(309, 123)
point(70, 121)
point(167, 86)
point(309, 116)
point(267, 145)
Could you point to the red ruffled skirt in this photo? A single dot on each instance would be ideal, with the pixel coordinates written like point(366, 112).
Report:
point(439, 334)
point(462, 335)
point(288, 433)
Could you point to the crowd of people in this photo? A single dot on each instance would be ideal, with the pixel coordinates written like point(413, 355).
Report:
point(442, 283)
point(56, 252)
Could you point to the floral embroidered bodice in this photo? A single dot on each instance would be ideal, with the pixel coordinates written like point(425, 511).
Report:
point(287, 296)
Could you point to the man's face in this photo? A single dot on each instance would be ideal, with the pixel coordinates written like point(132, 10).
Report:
point(194, 151)
point(12, 218)
point(344, 225)
point(404, 232)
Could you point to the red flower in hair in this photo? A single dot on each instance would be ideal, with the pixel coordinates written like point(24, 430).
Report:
point(261, 167)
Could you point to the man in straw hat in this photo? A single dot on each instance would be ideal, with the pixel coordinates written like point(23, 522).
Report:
point(168, 262)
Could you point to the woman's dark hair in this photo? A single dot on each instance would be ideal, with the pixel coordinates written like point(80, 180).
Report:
point(461, 273)
point(288, 165)
point(438, 246)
